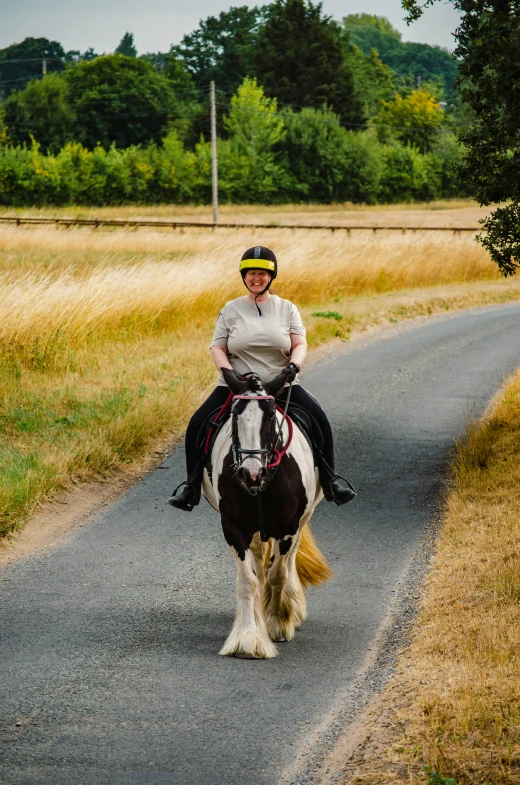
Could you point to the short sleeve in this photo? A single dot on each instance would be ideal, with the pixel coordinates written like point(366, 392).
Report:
point(296, 325)
point(221, 334)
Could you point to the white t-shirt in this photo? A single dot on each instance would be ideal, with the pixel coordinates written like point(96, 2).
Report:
point(257, 343)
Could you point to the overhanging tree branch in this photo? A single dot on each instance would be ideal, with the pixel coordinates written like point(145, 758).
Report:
point(488, 43)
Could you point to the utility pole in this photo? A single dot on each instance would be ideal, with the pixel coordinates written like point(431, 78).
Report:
point(214, 171)
point(44, 67)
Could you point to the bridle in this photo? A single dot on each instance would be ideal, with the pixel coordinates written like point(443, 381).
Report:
point(262, 454)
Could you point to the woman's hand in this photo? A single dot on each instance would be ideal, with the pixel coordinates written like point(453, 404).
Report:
point(291, 371)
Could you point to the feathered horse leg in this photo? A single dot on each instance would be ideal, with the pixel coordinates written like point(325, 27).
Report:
point(284, 600)
point(249, 636)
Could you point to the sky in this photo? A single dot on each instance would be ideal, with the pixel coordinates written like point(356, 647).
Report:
point(156, 24)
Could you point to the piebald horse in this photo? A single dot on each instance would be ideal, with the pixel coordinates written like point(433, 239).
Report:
point(262, 479)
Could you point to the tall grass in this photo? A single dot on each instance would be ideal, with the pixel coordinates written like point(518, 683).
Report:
point(46, 315)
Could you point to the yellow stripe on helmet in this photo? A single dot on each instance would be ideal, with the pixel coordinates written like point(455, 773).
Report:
point(256, 264)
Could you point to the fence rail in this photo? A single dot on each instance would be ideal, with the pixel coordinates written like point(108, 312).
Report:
point(122, 223)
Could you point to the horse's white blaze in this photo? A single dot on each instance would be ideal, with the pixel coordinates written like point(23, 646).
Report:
point(249, 424)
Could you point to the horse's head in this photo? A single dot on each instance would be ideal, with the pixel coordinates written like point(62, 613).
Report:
point(253, 426)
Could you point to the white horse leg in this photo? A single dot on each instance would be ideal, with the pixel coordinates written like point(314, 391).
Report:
point(284, 600)
point(258, 549)
point(249, 636)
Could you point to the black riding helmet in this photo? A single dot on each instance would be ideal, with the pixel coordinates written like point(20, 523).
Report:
point(259, 258)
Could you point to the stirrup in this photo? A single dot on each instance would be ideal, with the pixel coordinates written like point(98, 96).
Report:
point(187, 504)
point(349, 493)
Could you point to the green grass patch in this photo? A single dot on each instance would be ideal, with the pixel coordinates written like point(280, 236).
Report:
point(24, 477)
point(328, 315)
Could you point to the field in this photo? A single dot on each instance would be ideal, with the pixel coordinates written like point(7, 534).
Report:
point(105, 333)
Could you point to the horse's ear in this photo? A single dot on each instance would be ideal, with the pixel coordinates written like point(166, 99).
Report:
point(276, 385)
point(235, 382)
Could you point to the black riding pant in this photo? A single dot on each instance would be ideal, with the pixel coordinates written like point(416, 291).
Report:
point(218, 397)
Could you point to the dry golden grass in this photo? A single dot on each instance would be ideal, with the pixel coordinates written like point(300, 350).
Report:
point(452, 714)
point(104, 335)
point(51, 311)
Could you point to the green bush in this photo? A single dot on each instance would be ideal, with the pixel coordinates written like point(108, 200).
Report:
point(287, 157)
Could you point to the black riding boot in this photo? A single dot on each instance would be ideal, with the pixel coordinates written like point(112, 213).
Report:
point(335, 488)
point(189, 497)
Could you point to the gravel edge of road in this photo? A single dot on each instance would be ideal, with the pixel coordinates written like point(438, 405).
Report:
point(324, 754)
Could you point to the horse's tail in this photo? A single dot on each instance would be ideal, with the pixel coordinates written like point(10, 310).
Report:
point(311, 564)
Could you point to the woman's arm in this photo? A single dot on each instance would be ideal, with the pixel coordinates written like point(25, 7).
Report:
point(298, 349)
point(220, 357)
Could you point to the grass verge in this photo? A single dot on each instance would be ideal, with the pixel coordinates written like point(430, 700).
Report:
point(451, 715)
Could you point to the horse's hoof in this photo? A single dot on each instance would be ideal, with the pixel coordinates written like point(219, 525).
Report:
point(241, 655)
point(279, 640)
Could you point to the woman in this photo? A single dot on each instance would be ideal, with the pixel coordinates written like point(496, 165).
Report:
point(264, 334)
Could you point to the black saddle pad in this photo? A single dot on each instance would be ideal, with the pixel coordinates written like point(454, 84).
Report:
point(307, 424)
point(202, 435)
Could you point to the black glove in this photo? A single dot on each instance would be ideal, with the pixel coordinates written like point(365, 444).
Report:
point(291, 370)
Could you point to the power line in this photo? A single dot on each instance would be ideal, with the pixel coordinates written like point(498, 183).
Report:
point(31, 60)
point(346, 124)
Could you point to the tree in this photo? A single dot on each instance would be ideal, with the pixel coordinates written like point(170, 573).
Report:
point(74, 56)
point(312, 154)
point(413, 63)
point(42, 110)
point(368, 31)
point(19, 63)
point(119, 100)
point(253, 122)
point(489, 81)
point(222, 48)
point(301, 60)
point(248, 166)
point(373, 80)
point(4, 136)
point(126, 46)
point(413, 120)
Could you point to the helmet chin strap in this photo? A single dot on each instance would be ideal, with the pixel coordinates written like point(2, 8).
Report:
point(259, 293)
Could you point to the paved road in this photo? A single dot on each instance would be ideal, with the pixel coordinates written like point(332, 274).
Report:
point(108, 654)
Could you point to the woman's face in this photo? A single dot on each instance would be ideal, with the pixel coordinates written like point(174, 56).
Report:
point(257, 280)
